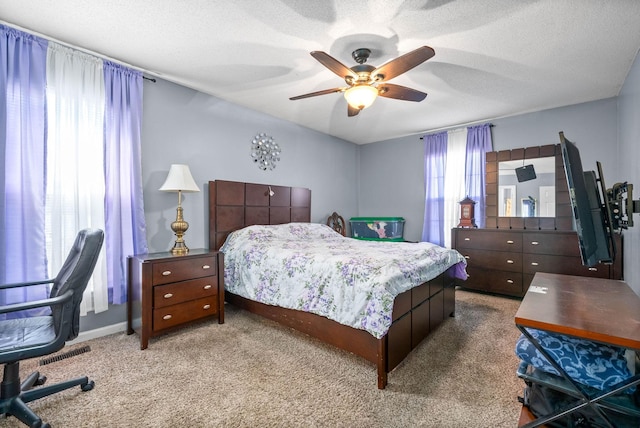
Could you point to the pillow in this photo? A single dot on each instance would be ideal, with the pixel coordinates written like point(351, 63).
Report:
point(589, 363)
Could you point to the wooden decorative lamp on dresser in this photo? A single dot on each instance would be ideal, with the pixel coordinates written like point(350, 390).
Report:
point(503, 257)
point(167, 291)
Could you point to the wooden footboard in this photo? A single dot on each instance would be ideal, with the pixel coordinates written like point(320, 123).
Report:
point(416, 313)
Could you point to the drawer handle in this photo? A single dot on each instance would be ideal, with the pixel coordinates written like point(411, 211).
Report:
point(205, 307)
point(509, 241)
point(166, 273)
point(167, 317)
point(534, 242)
point(206, 267)
point(510, 281)
point(593, 269)
point(510, 262)
point(534, 263)
point(467, 239)
point(168, 295)
point(207, 287)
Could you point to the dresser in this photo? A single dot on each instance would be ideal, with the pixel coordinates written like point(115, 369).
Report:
point(168, 291)
point(504, 261)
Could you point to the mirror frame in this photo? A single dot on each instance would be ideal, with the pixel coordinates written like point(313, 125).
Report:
point(563, 219)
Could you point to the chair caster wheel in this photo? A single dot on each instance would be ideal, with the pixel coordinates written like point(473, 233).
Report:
point(88, 386)
point(41, 380)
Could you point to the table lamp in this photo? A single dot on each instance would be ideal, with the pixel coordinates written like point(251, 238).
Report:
point(179, 180)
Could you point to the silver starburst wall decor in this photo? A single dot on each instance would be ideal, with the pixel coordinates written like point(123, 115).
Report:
point(265, 152)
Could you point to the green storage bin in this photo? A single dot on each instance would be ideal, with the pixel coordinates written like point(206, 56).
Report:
point(377, 228)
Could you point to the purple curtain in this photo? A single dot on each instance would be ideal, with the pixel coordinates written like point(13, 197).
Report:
point(22, 166)
point(125, 229)
point(478, 144)
point(435, 157)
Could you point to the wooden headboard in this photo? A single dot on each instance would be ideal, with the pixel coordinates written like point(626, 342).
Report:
point(234, 205)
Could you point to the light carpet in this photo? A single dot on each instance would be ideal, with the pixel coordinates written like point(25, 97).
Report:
point(252, 372)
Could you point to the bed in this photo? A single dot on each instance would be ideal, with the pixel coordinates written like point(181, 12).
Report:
point(415, 311)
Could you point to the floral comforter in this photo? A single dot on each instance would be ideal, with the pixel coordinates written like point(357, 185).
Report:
point(310, 267)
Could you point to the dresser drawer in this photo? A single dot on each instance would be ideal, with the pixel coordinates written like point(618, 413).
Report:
point(174, 315)
point(565, 244)
point(565, 265)
point(180, 270)
point(178, 292)
point(495, 281)
point(498, 260)
point(504, 261)
point(489, 240)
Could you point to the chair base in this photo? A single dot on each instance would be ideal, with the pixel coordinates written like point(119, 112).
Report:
point(14, 396)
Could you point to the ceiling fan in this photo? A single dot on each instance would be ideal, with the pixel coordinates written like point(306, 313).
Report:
point(366, 82)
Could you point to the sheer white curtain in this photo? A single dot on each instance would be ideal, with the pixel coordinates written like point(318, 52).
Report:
point(454, 180)
point(75, 161)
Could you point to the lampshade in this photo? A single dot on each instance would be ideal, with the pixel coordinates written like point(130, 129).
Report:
point(361, 96)
point(179, 178)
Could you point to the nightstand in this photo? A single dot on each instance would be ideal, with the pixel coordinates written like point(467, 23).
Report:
point(167, 291)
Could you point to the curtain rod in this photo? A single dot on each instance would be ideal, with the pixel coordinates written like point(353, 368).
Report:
point(491, 125)
point(87, 51)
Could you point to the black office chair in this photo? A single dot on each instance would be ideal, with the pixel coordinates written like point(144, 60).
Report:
point(24, 338)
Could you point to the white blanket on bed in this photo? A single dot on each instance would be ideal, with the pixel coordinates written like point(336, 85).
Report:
point(310, 267)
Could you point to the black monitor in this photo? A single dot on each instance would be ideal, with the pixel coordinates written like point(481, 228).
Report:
point(591, 208)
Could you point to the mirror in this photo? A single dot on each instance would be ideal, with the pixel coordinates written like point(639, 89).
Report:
point(554, 191)
point(527, 195)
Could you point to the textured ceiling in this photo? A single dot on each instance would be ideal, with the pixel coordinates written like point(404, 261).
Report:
point(494, 58)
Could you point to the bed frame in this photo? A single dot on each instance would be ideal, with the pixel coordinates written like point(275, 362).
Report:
point(234, 205)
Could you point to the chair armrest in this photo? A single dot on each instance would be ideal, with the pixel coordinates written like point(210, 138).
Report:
point(62, 330)
point(25, 284)
point(59, 300)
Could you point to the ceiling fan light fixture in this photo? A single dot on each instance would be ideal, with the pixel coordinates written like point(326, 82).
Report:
point(361, 96)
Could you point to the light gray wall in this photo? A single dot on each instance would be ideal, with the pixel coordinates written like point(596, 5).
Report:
point(213, 137)
point(629, 156)
point(392, 182)
point(592, 126)
point(391, 172)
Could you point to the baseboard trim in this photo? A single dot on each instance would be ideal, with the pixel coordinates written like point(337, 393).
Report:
point(99, 332)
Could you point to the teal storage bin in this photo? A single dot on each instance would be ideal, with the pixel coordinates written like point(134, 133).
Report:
point(377, 228)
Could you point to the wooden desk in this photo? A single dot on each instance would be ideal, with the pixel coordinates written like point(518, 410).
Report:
point(601, 310)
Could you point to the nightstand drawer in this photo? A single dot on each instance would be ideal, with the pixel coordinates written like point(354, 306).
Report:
point(172, 294)
point(174, 315)
point(180, 270)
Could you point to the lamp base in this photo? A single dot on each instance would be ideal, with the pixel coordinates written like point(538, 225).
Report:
point(179, 248)
point(179, 227)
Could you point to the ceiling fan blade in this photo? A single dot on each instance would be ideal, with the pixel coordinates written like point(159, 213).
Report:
point(333, 64)
point(315, 94)
point(403, 63)
point(352, 111)
point(398, 92)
